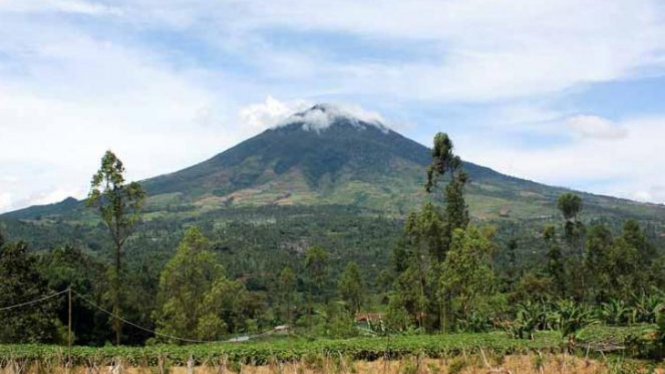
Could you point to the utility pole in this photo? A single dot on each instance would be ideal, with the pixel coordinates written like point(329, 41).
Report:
point(69, 325)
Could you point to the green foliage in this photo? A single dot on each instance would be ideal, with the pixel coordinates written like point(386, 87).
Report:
point(20, 282)
point(65, 267)
point(572, 318)
point(351, 288)
point(286, 282)
point(555, 264)
point(119, 205)
point(467, 273)
point(190, 289)
point(313, 352)
point(316, 263)
point(615, 312)
point(529, 318)
point(570, 206)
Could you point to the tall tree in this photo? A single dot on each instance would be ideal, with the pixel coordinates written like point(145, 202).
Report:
point(286, 283)
point(21, 282)
point(446, 164)
point(351, 287)
point(555, 267)
point(119, 205)
point(633, 234)
point(512, 260)
point(316, 264)
point(596, 265)
point(570, 206)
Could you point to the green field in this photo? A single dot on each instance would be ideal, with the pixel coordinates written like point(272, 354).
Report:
point(273, 349)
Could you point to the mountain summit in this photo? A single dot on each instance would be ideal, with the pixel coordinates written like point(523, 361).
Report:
point(328, 155)
point(322, 116)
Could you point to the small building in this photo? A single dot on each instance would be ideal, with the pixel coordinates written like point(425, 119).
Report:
point(281, 329)
point(368, 317)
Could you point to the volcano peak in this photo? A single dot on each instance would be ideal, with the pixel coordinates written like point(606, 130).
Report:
point(324, 115)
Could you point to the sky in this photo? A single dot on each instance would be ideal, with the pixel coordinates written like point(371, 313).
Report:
point(569, 92)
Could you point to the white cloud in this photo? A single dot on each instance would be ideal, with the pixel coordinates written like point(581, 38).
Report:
point(323, 115)
point(628, 166)
point(596, 127)
point(264, 115)
point(477, 50)
point(65, 6)
point(5, 201)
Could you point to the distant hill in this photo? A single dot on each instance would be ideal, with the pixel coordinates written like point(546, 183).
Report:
point(326, 156)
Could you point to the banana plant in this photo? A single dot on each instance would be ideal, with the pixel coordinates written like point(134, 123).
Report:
point(646, 308)
point(572, 318)
point(615, 312)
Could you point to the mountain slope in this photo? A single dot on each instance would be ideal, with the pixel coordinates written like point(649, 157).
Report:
point(325, 156)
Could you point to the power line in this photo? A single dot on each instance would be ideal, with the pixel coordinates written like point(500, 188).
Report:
point(33, 301)
point(187, 340)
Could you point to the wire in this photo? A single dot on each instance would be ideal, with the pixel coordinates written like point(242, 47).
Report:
point(187, 340)
point(33, 301)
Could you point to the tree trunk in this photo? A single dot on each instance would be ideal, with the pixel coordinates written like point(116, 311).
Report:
point(117, 324)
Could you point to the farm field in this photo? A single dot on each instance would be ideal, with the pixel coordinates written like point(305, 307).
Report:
point(403, 354)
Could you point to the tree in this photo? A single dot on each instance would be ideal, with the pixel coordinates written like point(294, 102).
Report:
point(570, 206)
point(351, 287)
point(436, 229)
point(21, 282)
point(69, 266)
point(446, 163)
point(286, 283)
point(634, 236)
point(316, 264)
point(468, 276)
point(555, 268)
point(186, 293)
point(119, 205)
point(512, 260)
point(596, 262)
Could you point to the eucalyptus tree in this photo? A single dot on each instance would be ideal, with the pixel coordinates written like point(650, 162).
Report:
point(555, 267)
point(119, 205)
point(351, 287)
point(286, 283)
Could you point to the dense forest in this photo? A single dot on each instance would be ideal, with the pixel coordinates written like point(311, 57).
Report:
point(436, 270)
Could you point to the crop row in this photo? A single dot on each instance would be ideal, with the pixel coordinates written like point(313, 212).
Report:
point(291, 349)
point(262, 352)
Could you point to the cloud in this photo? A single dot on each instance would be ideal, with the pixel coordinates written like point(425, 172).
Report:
point(261, 116)
point(65, 6)
point(5, 201)
point(596, 127)
point(457, 51)
point(625, 167)
point(322, 116)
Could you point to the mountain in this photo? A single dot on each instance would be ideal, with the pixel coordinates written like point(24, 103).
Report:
point(327, 156)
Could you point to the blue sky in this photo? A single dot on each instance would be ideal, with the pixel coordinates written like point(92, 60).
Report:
point(563, 92)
